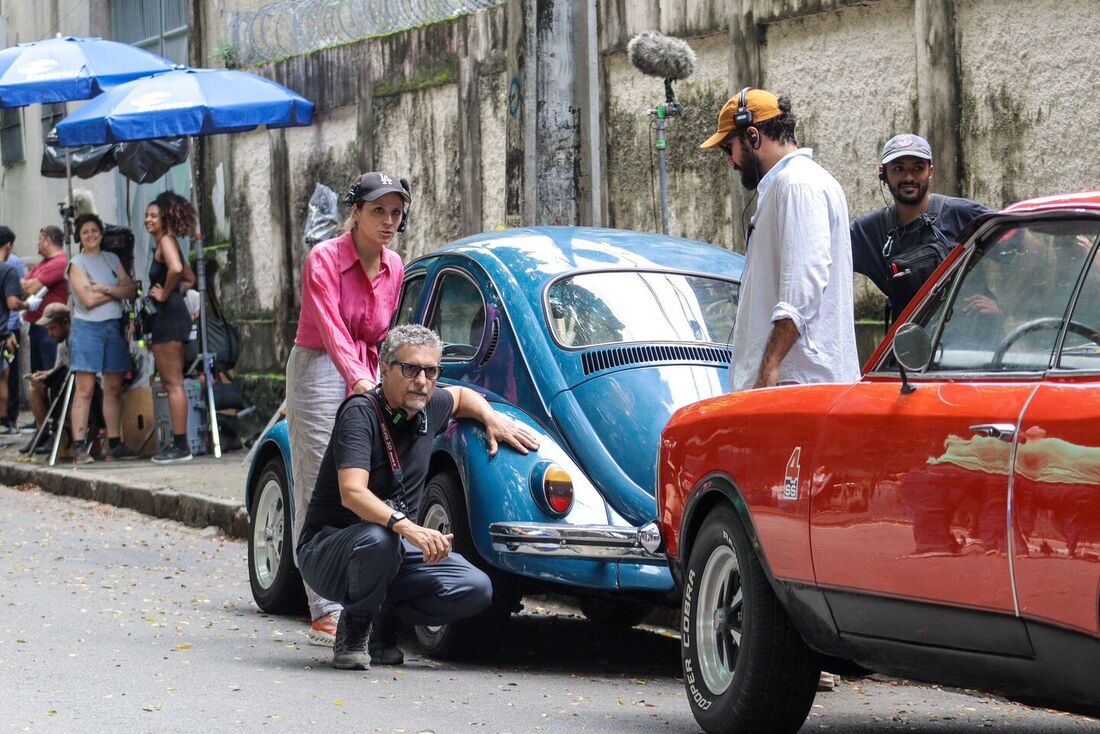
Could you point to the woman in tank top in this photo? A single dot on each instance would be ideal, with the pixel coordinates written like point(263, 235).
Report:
point(99, 284)
point(168, 217)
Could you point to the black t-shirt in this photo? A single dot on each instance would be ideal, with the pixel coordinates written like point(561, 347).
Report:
point(9, 286)
point(869, 233)
point(357, 443)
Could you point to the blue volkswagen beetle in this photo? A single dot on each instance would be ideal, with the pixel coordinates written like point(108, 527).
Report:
point(591, 337)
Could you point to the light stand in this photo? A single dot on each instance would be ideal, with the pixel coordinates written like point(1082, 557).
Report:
point(660, 113)
point(206, 357)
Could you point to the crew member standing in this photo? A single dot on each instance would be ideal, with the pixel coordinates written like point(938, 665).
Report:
point(794, 316)
point(899, 246)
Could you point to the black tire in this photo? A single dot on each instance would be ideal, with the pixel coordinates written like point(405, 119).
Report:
point(443, 508)
point(613, 612)
point(769, 680)
point(274, 578)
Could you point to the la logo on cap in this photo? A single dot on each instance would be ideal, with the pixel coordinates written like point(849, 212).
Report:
point(386, 180)
point(905, 142)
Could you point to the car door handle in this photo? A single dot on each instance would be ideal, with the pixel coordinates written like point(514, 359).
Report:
point(1003, 431)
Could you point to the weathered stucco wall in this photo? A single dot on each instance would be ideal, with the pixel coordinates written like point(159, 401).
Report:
point(1029, 104)
point(1008, 85)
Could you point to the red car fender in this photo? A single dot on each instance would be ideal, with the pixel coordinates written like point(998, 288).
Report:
point(753, 448)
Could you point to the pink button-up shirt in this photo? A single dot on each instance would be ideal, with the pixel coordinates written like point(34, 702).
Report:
point(345, 313)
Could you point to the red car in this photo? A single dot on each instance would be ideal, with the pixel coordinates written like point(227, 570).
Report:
point(937, 520)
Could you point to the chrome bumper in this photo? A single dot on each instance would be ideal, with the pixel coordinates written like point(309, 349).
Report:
point(595, 542)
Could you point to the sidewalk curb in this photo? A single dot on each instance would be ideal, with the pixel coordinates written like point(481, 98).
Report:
point(189, 508)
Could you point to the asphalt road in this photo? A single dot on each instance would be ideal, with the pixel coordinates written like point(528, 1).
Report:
point(114, 621)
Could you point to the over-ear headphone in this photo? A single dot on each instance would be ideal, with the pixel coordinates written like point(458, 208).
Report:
point(398, 419)
point(743, 117)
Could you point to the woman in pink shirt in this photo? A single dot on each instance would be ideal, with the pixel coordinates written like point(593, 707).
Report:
point(350, 290)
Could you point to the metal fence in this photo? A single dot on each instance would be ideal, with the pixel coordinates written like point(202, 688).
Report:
point(290, 27)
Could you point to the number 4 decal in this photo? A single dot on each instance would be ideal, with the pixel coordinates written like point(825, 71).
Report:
point(790, 479)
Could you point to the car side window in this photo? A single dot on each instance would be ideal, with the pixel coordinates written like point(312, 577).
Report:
point(1012, 300)
point(410, 299)
point(1081, 347)
point(458, 316)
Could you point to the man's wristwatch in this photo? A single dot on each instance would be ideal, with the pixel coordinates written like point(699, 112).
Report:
point(395, 518)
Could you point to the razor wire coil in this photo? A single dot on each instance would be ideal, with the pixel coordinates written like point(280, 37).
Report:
point(291, 27)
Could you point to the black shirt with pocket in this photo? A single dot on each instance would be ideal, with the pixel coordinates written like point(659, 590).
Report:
point(871, 231)
point(357, 443)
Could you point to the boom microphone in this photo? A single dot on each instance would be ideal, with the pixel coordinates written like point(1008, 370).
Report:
point(656, 54)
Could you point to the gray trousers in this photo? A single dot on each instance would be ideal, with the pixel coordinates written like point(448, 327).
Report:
point(314, 391)
point(365, 564)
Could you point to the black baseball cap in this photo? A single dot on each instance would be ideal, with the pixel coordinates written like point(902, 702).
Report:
point(374, 185)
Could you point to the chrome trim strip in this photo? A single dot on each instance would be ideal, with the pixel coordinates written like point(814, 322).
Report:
point(594, 542)
point(1010, 510)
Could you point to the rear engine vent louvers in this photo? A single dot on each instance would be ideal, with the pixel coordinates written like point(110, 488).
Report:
point(494, 337)
point(602, 359)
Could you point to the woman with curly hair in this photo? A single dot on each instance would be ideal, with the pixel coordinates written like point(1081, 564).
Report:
point(99, 284)
point(171, 216)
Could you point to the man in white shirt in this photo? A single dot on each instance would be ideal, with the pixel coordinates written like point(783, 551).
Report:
point(795, 320)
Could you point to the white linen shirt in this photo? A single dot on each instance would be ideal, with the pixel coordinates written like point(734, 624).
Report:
point(798, 267)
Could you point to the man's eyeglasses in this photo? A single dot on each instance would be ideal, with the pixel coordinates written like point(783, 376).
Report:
point(412, 371)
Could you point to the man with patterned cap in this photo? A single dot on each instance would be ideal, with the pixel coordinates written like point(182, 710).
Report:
point(899, 246)
point(794, 314)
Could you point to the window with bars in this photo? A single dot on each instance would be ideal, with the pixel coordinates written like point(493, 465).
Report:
point(11, 136)
point(51, 115)
point(141, 23)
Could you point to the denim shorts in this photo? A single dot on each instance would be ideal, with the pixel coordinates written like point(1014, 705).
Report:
point(98, 346)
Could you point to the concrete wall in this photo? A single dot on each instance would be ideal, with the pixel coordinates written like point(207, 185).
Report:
point(1004, 90)
point(1001, 90)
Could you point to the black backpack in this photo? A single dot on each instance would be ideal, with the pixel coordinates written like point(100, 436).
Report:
point(911, 267)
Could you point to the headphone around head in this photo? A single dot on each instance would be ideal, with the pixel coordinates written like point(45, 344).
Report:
point(743, 117)
point(351, 198)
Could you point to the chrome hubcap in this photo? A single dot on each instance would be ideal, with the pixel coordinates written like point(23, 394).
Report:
point(718, 633)
point(436, 518)
point(267, 539)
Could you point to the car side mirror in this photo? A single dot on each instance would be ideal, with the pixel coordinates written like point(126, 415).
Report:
point(912, 347)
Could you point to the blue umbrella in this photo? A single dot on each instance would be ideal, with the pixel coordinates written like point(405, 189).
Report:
point(67, 69)
point(185, 102)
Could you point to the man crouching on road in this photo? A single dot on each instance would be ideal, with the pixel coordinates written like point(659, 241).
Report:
point(360, 545)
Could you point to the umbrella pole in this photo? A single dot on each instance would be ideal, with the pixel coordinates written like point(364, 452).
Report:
point(200, 267)
point(70, 209)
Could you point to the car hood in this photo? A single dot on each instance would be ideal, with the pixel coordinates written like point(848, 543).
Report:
point(613, 423)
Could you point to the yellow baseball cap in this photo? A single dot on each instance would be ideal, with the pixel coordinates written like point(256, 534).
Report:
point(762, 104)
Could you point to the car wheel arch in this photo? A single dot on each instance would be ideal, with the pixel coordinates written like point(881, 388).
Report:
point(710, 492)
point(266, 452)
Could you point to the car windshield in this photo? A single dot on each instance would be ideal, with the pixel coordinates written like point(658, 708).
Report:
point(613, 307)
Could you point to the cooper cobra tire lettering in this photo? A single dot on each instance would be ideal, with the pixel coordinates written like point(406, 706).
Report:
point(745, 666)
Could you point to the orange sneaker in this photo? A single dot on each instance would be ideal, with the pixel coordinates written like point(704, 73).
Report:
point(323, 630)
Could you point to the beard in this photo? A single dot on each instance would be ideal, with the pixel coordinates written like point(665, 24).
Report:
point(909, 199)
point(415, 402)
point(752, 170)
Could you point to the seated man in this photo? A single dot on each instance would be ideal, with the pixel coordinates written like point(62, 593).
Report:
point(46, 385)
point(360, 544)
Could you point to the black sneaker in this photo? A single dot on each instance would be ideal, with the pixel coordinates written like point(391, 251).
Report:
point(171, 455)
point(46, 440)
point(122, 452)
point(82, 454)
point(349, 649)
point(383, 640)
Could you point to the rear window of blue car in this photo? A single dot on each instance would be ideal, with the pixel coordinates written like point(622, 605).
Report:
point(612, 307)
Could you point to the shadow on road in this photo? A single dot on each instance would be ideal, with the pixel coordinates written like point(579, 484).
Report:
point(564, 644)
